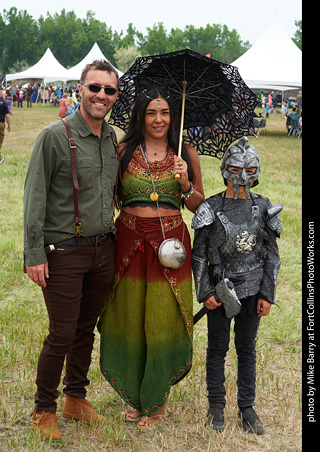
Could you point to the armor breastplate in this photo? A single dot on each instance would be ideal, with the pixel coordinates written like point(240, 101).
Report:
point(242, 250)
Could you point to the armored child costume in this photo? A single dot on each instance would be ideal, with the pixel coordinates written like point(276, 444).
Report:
point(236, 239)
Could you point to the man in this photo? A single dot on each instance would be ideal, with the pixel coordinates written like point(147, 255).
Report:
point(14, 95)
point(4, 116)
point(30, 92)
point(72, 259)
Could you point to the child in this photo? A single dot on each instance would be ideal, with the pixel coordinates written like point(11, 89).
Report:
point(267, 110)
point(284, 110)
point(235, 237)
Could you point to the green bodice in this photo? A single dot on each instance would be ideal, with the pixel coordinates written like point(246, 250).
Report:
point(137, 186)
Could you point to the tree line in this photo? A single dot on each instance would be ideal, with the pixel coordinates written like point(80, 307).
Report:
point(24, 40)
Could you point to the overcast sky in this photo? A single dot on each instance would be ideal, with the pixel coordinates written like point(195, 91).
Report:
point(249, 17)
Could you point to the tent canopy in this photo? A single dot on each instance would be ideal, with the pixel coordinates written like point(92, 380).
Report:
point(47, 69)
point(273, 62)
point(95, 54)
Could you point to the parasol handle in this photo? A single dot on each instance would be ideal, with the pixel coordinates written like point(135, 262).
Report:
point(184, 85)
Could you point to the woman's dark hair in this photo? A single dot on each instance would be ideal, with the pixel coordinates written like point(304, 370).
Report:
point(136, 127)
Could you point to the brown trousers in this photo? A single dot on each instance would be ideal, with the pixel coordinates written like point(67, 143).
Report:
point(2, 127)
point(78, 279)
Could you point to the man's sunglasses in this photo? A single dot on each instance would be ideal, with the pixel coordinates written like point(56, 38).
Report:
point(97, 88)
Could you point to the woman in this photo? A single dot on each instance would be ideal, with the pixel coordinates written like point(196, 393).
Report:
point(63, 106)
point(146, 326)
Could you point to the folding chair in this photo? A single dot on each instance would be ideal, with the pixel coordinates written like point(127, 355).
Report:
point(262, 125)
point(295, 127)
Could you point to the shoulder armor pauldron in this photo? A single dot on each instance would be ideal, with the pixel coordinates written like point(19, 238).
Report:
point(273, 219)
point(204, 216)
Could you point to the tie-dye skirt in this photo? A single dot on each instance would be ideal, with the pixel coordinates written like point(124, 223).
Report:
point(146, 326)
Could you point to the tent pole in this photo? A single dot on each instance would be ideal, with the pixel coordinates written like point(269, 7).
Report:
point(44, 93)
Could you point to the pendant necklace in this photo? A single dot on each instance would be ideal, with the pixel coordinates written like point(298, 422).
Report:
point(154, 195)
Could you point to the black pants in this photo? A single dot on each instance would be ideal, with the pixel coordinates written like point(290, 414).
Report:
point(245, 327)
point(78, 279)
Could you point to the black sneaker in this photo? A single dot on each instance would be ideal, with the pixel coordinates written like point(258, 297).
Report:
point(215, 419)
point(251, 421)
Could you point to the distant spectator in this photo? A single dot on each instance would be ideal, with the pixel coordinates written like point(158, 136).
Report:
point(267, 110)
point(35, 93)
point(8, 100)
point(299, 100)
point(20, 96)
point(29, 95)
point(53, 98)
point(64, 108)
point(14, 97)
point(284, 110)
point(4, 116)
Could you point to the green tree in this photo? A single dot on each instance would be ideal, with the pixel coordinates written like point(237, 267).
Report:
point(155, 41)
point(297, 39)
point(132, 38)
point(223, 45)
point(71, 38)
point(100, 33)
point(63, 34)
point(125, 57)
point(18, 30)
point(176, 40)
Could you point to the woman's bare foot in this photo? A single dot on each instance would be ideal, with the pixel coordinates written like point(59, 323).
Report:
point(132, 414)
point(154, 419)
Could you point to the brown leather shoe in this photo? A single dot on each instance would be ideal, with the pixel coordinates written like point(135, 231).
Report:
point(46, 424)
point(81, 410)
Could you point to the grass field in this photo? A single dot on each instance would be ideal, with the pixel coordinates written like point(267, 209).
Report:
point(23, 326)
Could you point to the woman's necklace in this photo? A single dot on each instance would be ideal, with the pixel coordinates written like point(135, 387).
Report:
point(148, 151)
point(154, 195)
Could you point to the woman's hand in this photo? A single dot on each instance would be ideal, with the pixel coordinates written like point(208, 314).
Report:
point(193, 201)
point(181, 167)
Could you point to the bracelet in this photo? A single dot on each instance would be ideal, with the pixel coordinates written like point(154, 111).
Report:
point(189, 193)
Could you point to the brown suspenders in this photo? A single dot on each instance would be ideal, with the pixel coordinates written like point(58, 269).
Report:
point(72, 144)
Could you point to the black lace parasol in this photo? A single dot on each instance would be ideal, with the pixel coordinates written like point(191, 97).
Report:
point(216, 104)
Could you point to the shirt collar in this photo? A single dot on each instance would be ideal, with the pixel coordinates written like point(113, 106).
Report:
point(83, 128)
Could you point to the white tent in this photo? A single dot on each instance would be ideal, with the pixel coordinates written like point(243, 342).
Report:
point(95, 54)
point(48, 69)
point(273, 62)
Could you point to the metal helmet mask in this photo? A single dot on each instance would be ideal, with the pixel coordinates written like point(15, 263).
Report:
point(241, 155)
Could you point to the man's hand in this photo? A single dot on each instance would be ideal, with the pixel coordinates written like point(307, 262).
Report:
point(263, 307)
point(38, 273)
point(212, 303)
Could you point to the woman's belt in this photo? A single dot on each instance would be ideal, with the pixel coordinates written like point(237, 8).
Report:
point(169, 222)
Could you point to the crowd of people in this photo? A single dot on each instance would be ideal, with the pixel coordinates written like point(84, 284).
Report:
point(277, 104)
point(18, 95)
point(116, 275)
point(67, 98)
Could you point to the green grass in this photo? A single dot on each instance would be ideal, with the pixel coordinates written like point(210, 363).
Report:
point(23, 325)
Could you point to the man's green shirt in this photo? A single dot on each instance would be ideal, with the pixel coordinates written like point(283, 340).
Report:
point(48, 197)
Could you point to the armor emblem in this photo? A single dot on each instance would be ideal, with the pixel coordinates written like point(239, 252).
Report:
point(242, 250)
point(245, 242)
